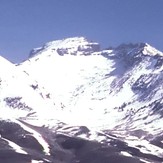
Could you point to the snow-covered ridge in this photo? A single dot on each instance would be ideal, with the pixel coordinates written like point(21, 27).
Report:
point(149, 50)
point(81, 84)
point(144, 49)
point(81, 46)
point(70, 83)
point(72, 46)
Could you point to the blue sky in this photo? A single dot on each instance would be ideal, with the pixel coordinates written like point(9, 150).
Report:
point(26, 24)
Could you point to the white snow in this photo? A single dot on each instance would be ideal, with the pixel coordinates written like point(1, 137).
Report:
point(72, 46)
point(15, 147)
point(81, 87)
point(146, 147)
point(126, 153)
point(149, 50)
point(37, 136)
point(36, 161)
point(93, 90)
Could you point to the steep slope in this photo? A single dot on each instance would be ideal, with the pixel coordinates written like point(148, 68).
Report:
point(16, 90)
point(72, 102)
point(120, 87)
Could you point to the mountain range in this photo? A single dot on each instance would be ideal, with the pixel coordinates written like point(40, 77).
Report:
point(73, 102)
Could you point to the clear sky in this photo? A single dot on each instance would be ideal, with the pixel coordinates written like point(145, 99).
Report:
point(26, 24)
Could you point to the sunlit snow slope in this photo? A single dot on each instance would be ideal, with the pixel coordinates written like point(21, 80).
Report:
point(115, 88)
point(71, 88)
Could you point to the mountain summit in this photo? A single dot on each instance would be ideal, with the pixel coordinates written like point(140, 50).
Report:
point(74, 102)
point(72, 46)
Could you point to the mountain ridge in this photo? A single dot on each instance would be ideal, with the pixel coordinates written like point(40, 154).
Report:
point(68, 46)
point(111, 96)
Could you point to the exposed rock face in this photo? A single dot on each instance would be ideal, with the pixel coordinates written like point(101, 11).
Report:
point(20, 146)
point(72, 46)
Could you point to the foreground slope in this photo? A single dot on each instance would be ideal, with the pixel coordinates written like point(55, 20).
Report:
point(73, 102)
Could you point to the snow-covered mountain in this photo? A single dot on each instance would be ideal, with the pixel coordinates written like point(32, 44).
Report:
point(73, 94)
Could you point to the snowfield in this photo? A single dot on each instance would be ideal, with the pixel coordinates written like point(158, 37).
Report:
point(74, 88)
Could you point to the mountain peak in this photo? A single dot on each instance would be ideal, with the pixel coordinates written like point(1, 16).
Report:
point(108, 105)
point(131, 49)
point(72, 46)
point(82, 46)
point(150, 50)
